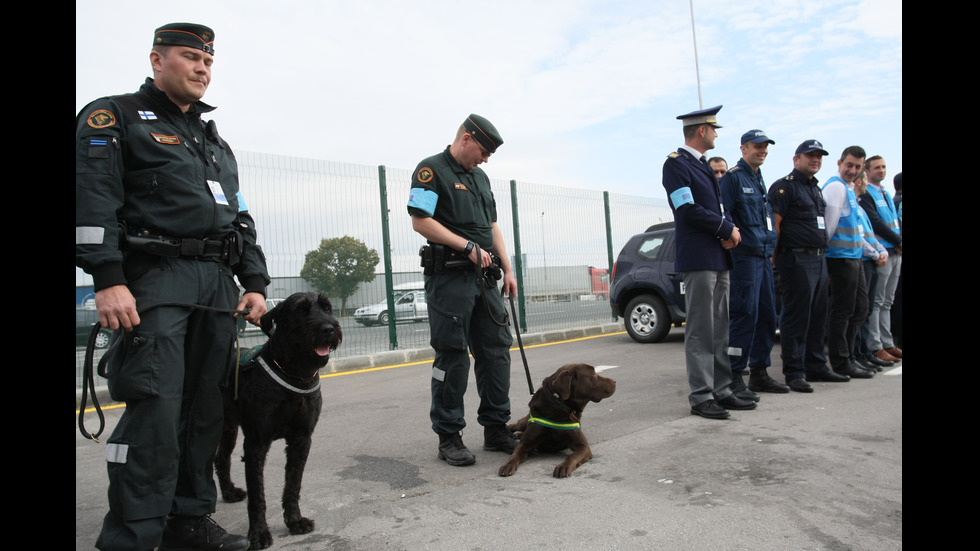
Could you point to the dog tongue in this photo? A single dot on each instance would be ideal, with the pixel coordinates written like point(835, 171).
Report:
point(323, 351)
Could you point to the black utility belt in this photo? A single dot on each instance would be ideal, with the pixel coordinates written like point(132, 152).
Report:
point(437, 258)
point(227, 250)
point(804, 250)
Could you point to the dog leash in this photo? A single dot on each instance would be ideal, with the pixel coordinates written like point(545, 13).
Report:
point(88, 378)
point(513, 311)
point(520, 344)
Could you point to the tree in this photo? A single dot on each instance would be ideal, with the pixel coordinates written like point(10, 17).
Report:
point(338, 267)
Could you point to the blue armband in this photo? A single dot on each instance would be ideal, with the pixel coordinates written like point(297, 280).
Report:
point(681, 196)
point(423, 199)
point(242, 207)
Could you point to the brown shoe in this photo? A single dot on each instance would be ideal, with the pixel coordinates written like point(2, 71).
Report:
point(885, 356)
point(894, 351)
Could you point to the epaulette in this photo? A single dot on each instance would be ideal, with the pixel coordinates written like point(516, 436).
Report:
point(734, 168)
point(673, 155)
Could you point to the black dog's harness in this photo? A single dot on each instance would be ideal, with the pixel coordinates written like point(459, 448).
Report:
point(254, 357)
point(88, 379)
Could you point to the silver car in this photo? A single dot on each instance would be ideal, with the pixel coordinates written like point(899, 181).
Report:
point(409, 306)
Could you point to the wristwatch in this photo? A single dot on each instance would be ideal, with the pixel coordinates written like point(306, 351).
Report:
point(469, 247)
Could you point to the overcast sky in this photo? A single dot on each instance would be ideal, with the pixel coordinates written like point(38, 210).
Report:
point(584, 92)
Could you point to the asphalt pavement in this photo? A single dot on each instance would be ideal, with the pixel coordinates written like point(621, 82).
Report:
point(800, 472)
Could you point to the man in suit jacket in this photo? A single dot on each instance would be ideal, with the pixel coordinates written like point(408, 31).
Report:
point(705, 235)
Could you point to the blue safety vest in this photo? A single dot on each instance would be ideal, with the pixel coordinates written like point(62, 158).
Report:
point(869, 233)
point(886, 210)
point(846, 241)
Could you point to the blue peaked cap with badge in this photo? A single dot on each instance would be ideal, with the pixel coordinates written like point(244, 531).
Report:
point(190, 35)
point(704, 116)
point(810, 146)
point(756, 136)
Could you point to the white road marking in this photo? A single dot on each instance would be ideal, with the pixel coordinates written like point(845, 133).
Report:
point(599, 368)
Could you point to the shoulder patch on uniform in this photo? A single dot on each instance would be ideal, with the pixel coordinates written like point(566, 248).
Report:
point(673, 155)
point(424, 175)
point(103, 118)
point(460, 186)
point(164, 139)
point(781, 190)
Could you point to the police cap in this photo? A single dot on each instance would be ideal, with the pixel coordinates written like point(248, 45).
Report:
point(483, 132)
point(810, 146)
point(756, 136)
point(185, 34)
point(704, 116)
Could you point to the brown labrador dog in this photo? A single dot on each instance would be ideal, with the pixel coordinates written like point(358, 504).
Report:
point(553, 423)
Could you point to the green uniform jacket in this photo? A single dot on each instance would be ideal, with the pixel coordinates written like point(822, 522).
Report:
point(457, 198)
point(140, 161)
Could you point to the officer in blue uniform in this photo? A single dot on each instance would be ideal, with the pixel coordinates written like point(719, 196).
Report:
point(753, 299)
point(452, 206)
point(705, 234)
point(801, 240)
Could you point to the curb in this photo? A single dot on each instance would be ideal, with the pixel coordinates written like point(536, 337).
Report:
point(396, 357)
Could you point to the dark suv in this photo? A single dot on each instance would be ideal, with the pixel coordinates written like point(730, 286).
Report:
point(646, 291)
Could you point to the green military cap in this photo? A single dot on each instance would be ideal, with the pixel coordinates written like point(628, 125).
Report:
point(185, 34)
point(483, 132)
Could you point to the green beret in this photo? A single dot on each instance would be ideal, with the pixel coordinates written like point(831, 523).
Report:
point(483, 132)
point(185, 34)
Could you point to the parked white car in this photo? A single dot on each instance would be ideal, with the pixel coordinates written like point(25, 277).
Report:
point(409, 306)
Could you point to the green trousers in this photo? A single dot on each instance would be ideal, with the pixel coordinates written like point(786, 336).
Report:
point(169, 371)
point(466, 316)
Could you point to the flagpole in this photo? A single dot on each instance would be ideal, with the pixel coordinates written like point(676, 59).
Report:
point(697, 70)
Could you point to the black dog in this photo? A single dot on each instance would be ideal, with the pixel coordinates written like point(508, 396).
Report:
point(278, 396)
point(553, 423)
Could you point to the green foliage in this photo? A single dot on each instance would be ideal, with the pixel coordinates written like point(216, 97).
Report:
point(338, 267)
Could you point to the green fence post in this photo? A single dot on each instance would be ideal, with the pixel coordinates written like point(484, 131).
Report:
point(386, 242)
point(518, 265)
point(609, 245)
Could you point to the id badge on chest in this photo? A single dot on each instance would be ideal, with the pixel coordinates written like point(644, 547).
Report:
point(217, 192)
point(820, 223)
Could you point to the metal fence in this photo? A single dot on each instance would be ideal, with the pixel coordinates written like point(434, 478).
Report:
point(554, 236)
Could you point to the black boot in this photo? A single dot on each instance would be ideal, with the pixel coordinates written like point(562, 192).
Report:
point(496, 438)
point(738, 388)
point(452, 450)
point(760, 381)
point(189, 533)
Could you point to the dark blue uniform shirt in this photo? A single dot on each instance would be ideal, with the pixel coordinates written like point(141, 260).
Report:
point(743, 193)
point(800, 203)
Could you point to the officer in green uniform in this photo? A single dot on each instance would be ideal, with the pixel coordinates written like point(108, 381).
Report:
point(453, 207)
point(159, 218)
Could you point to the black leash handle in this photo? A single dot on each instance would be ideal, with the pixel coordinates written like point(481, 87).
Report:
point(520, 343)
point(88, 378)
point(88, 385)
